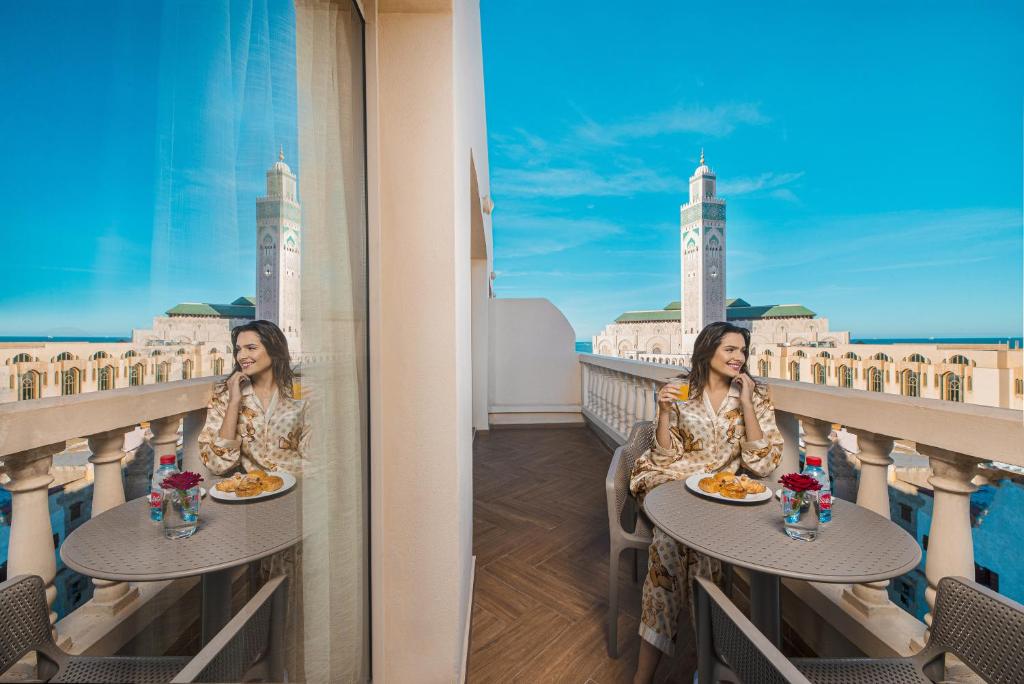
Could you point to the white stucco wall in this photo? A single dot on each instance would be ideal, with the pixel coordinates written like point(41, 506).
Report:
point(534, 372)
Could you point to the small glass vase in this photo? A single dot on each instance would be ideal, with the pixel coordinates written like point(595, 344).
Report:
point(180, 512)
point(800, 513)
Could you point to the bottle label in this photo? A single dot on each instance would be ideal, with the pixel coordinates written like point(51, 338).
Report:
point(825, 501)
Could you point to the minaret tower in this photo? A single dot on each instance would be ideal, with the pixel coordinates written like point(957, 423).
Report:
point(702, 251)
point(278, 241)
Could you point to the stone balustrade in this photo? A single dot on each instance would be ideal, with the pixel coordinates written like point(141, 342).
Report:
point(33, 431)
point(955, 437)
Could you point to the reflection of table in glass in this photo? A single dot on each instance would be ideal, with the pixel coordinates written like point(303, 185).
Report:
point(123, 544)
point(857, 546)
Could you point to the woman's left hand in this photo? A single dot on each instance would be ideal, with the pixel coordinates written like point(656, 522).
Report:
point(746, 385)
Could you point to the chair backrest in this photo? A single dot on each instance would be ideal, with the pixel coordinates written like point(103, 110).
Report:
point(982, 628)
point(24, 621)
point(617, 480)
point(725, 635)
point(254, 634)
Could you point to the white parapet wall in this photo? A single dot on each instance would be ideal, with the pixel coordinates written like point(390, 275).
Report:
point(534, 375)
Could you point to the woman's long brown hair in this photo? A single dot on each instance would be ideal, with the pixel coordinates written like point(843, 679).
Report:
point(276, 345)
point(704, 349)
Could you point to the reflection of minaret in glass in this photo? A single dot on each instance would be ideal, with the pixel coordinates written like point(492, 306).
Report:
point(702, 251)
point(278, 241)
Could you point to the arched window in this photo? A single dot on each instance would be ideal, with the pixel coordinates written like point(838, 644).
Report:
point(186, 370)
point(768, 352)
point(156, 352)
point(800, 353)
point(135, 375)
point(162, 371)
point(22, 358)
point(852, 356)
point(65, 356)
point(100, 355)
point(876, 381)
point(105, 380)
point(70, 382)
point(818, 374)
point(960, 360)
point(882, 357)
point(917, 358)
point(29, 388)
point(911, 384)
point(181, 352)
point(656, 349)
point(845, 376)
point(130, 353)
point(951, 387)
point(218, 366)
point(824, 355)
point(762, 367)
point(794, 370)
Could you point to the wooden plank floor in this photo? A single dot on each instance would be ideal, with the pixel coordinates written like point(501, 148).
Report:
point(540, 536)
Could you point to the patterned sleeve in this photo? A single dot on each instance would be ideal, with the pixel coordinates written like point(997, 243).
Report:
point(305, 432)
point(220, 455)
point(648, 470)
point(762, 456)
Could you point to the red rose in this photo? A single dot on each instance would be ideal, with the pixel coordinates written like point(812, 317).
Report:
point(181, 481)
point(796, 482)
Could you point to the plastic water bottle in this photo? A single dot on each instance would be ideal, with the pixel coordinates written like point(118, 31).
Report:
point(813, 468)
point(168, 466)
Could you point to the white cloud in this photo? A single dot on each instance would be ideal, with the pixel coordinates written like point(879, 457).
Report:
point(525, 235)
point(765, 181)
point(717, 121)
point(582, 181)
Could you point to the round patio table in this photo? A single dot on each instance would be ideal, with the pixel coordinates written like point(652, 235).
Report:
point(857, 546)
point(123, 544)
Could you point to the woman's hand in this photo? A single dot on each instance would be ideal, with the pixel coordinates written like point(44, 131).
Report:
point(235, 387)
point(669, 394)
point(746, 385)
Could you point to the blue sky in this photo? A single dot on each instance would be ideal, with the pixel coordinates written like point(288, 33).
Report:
point(870, 155)
point(136, 139)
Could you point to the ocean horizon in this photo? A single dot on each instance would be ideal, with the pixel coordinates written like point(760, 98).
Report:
point(586, 347)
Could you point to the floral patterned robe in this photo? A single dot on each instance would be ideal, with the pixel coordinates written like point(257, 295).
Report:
point(703, 439)
point(275, 438)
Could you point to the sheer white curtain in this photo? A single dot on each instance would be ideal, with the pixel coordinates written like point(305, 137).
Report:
point(330, 68)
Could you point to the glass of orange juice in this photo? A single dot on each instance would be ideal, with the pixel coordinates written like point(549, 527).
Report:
point(683, 393)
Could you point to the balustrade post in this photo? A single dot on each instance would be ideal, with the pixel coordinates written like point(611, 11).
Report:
point(31, 548)
point(950, 541)
point(816, 439)
point(585, 386)
point(789, 427)
point(165, 438)
point(631, 397)
point(108, 491)
point(598, 406)
point(620, 405)
point(650, 388)
point(191, 427)
point(873, 494)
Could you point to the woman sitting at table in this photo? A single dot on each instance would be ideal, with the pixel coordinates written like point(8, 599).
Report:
point(252, 420)
point(727, 423)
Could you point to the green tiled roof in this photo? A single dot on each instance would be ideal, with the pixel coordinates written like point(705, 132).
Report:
point(644, 316)
point(244, 301)
point(736, 310)
point(216, 310)
point(743, 313)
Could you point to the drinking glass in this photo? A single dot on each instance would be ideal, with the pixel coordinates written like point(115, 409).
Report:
point(181, 512)
point(800, 513)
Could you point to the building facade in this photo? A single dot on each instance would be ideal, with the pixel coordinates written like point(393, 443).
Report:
point(702, 253)
point(278, 268)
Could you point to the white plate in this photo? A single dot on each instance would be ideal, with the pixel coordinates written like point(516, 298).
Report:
point(691, 484)
point(289, 482)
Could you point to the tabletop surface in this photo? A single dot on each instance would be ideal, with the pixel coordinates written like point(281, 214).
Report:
point(124, 544)
point(858, 545)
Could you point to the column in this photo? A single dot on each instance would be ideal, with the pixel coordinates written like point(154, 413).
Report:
point(789, 427)
point(621, 396)
point(192, 426)
point(873, 494)
point(816, 439)
point(108, 491)
point(31, 547)
point(950, 541)
point(165, 438)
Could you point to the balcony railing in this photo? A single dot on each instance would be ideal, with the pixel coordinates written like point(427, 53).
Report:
point(31, 432)
point(956, 438)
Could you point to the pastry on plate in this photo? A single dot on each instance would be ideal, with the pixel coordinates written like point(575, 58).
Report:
point(709, 485)
point(229, 484)
point(733, 490)
point(249, 486)
point(271, 483)
point(750, 485)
